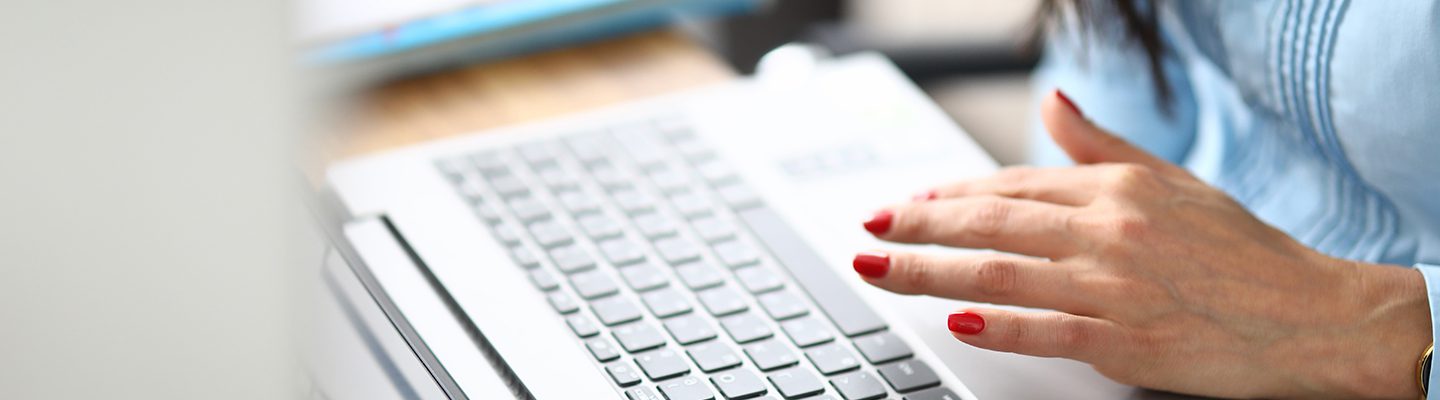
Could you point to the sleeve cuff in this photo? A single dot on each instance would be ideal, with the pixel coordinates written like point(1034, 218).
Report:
point(1432, 287)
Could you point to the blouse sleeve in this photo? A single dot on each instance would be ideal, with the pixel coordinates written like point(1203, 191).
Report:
point(1109, 79)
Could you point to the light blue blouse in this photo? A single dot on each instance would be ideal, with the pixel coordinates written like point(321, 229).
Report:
point(1322, 117)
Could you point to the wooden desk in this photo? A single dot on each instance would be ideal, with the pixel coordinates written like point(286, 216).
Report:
point(530, 87)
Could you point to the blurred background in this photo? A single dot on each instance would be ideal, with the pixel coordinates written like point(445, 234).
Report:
point(969, 55)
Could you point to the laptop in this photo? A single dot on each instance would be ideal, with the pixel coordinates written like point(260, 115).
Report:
point(692, 246)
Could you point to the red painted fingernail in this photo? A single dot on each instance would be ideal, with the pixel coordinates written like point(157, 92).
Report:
point(872, 264)
point(966, 323)
point(1066, 99)
point(880, 222)
point(925, 196)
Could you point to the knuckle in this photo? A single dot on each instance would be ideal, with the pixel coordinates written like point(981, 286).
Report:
point(995, 277)
point(918, 275)
point(1128, 176)
point(1072, 333)
point(911, 222)
point(1014, 173)
point(1015, 338)
point(988, 217)
point(1130, 226)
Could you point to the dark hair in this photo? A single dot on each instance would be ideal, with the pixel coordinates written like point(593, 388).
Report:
point(1140, 29)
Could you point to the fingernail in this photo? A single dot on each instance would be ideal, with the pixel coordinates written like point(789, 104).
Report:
point(925, 196)
point(880, 222)
point(872, 264)
point(1066, 99)
point(966, 323)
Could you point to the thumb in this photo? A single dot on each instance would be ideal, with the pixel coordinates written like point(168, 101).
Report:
point(1087, 143)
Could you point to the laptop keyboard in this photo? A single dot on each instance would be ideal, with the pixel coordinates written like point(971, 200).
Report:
point(678, 279)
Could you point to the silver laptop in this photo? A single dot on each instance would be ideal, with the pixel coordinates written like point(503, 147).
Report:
point(695, 246)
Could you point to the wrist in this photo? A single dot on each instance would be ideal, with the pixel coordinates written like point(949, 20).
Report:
point(1391, 333)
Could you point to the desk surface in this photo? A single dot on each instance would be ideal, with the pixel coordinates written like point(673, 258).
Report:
point(528, 88)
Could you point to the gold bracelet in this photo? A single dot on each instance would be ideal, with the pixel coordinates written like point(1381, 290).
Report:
point(1420, 370)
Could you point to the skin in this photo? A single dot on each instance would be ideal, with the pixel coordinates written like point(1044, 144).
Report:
point(1159, 280)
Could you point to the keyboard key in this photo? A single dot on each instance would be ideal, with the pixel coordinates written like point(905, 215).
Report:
point(690, 388)
point(472, 188)
point(527, 209)
point(938, 393)
point(562, 302)
point(738, 384)
point(599, 226)
point(490, 162)
point(722, 301)
point(549, 234)
point(714, 229)
point(677, 250)
point(508, 186)
point(455, 167)
point(487, 213)
point(783, 305)
point(643, 393)
point(623, 374)
point(506, 234)
point(832, 358)
point(543, 280)
point(524, 257)
point(746, 327)
point(699, 275)
point(695, 151)
point(690, 329)
point(691, 204)
point(796, 383)
point(632, 201)
point(858, 385)
point(538, 154)
point(654, 226)
point(807, 331)
point(593, 284)
point(717, 172)
point(666, 303)
point(770, 355)
point(615, 310)
point(622, 251)
point(638, 337)
point(644, 276)
point(582, 325)
point(557, 179)
point(670, 180)
point(571, 259)
point(713, 356)
point(739, 197)
point(736, 254)
point(852, 315)
point(579, 203)
point(590, 149)
point(759, 279)
point(611, 178)
point(662, 364)
point(882, 347)
point(909, 375)
point(603, 349)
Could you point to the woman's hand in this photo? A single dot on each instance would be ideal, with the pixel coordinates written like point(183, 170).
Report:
point(1158, 279)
